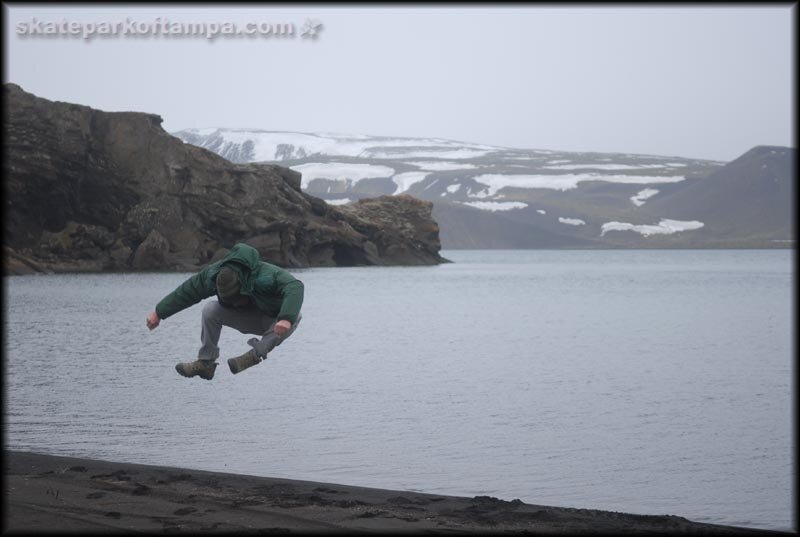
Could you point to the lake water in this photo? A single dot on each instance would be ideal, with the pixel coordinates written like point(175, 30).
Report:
point(653, 382)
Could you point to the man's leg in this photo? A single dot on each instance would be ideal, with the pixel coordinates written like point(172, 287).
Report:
point(269, 340)
point(215, 316)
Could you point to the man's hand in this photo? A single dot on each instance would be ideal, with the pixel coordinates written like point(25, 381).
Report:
point(282, 328)
point(152, 320)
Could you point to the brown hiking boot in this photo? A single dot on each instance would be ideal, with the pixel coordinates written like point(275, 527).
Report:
point(240, 363)
point(201, 368)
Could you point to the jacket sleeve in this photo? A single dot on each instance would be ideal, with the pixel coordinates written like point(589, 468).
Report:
point(292, 290)
point(186, 294)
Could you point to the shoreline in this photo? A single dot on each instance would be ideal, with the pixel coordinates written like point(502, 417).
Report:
point(48, 492)
point(17, 264)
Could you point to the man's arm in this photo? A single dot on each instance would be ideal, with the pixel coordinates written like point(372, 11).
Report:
point(292, 301)
point(292, 291)
point(186, 294)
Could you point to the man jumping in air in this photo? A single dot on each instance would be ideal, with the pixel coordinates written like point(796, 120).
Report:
point(253, 297)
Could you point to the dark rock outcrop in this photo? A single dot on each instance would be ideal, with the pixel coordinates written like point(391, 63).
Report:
point(88, 190)
point(384, 218)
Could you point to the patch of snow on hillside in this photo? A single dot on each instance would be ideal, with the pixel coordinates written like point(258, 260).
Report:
point(443, 153)
point(340, 171)
point(341, 201)
point(430, 185)
point(272, 146)
point(496, 205)
point(541, 211)
point(202, 132)
point(453, 188)
point(441, 165)
point(344, 135)
point(572, 221)
point(601, 166)
point(557, 182)
point(482, 193)
point(405, 180)
point(564, 181)
point(283, 145)
point(640, 198)
point(630, 155)
point(664, 227)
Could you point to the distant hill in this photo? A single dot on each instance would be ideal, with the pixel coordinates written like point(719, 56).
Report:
point(471, 228)
point(750, 198)
point(496, 197)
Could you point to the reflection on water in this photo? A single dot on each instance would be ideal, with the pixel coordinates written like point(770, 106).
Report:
point(641, 381)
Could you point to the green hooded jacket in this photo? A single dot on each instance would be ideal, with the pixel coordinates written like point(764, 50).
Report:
point(274, 291)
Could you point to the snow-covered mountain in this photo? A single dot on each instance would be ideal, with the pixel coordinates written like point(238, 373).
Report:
point(488, 196)
point(246, 145)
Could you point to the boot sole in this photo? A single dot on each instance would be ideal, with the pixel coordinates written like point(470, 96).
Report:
point(181, 373)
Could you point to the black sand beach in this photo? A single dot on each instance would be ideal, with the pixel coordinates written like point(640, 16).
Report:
point(49, 493)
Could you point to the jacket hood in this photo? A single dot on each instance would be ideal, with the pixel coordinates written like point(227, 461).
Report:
point(243, 259)
point(244, 255)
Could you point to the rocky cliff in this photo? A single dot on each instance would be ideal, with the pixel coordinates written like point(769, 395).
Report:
point(88, 190)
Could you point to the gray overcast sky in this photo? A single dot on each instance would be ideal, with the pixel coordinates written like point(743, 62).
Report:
point(703, 82)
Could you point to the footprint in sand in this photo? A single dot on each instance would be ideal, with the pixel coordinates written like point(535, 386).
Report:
point(184, 511)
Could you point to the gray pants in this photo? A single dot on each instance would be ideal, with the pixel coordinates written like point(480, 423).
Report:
point(247, 320)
